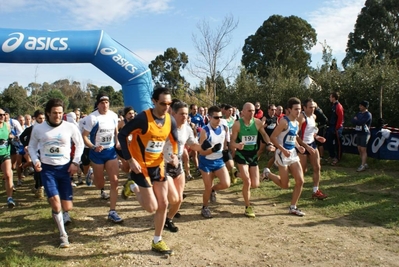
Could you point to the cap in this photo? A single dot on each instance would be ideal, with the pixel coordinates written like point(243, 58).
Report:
point(365, 103)
point(6, 110)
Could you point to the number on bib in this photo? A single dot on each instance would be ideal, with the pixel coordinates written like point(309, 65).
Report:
point(249, 139)
point(290, 139)
point(155, 146)
point(358, 128)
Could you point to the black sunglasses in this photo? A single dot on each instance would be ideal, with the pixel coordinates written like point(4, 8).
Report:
point(217, 117)
point(2, 114)
point(165, 103)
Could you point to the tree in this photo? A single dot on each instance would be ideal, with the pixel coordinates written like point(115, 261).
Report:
point(376, 30)
point(15, 98)
point(211, 46)
point(166, 69)
point(280, 41)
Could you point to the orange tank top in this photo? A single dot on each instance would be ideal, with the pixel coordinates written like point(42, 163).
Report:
point(147, 148)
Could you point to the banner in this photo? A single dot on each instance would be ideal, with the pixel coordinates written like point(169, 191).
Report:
point(95, 47)
point(383, 143)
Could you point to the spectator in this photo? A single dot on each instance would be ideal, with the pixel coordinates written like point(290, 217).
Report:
point(335, 127)
point(362, 122)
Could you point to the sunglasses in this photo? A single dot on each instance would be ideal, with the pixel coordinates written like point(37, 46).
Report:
point(217, 117)
point(1, 115)
point(165, 103)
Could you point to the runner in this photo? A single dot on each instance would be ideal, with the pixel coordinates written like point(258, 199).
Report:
point(213, 138)
point(149, 131)
point(102, 128)
point(5, 158)
point(244, 136)
point(308, 136)
point(287, 160)
point(176, 184)
point(53, 139)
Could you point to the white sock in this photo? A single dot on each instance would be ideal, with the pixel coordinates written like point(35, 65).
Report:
point(157, 239)
point(293, 207)
point(59, 220)
point(315, 188)
point(133, 186)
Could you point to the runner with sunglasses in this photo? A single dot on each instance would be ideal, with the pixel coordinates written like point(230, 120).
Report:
point(150, 130)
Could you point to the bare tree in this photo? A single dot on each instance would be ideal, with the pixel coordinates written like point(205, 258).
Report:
point(211, 44)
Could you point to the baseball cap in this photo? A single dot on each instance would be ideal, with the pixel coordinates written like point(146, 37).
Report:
point(365, 103)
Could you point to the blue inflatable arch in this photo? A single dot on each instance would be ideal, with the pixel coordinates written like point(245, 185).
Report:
point(96, 47)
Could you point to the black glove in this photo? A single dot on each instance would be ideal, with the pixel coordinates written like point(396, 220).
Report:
point(216, 147)
point(206, 144)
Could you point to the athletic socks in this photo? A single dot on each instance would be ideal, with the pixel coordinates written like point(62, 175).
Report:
point(157, 239)
point(59, 220)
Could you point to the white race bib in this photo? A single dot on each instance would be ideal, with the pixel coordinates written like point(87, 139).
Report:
point(249, 139)
point(105, 140)
point(290, 139)
point(358, 128)
point(271, 126)
point(155, 146)
point(54, 151)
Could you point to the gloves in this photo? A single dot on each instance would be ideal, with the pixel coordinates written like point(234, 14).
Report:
point(216, 147)
point(206, 144)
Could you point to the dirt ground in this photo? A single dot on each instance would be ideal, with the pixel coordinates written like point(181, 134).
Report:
point(273, 238)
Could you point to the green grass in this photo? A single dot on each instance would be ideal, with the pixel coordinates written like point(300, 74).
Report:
point(366, 198)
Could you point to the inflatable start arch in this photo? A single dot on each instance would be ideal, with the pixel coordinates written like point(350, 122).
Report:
point(96, 47)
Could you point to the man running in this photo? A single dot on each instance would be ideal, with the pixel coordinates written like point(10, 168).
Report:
point(149, 131)
point(100, 135)
point(287, 160)
point(213, 138)
point(308, 136)
point(5, 158)
point(244, 139)
point(177, 183)
point(53, 139)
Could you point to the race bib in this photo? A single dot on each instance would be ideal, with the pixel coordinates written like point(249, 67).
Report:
point(358, 128)
point(105, 140)
point(290, 139)
point(155, 146)
point(54, 151)
point(249, 139)
point(271, 126)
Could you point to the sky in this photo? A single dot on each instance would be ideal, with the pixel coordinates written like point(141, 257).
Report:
point(149, 27)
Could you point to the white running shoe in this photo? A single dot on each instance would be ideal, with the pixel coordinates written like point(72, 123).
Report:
point(104, 195)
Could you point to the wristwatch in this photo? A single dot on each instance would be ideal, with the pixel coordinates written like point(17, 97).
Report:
point(93, 147)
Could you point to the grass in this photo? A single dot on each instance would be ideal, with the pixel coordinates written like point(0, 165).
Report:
point(368, 198)
point(363, 199)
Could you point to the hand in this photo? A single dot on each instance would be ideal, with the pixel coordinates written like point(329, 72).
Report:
point(175, 160)
point(38, 166)
point(216, 147)
point(302, 149)
point(286, 153)
point(321, 139)
point(310, 150)
point(240, 146)
point(118, 146)
point(206, 145)
point(134, 166)
point(72, 169)
point(270, 147)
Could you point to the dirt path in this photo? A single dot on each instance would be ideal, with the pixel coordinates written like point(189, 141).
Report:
point(273, 238)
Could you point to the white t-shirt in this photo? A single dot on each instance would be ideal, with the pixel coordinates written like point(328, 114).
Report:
point(185, 136)
point(102, 128)
point(54, 143)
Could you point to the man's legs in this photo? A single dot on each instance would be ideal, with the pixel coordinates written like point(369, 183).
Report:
point(8, 174)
